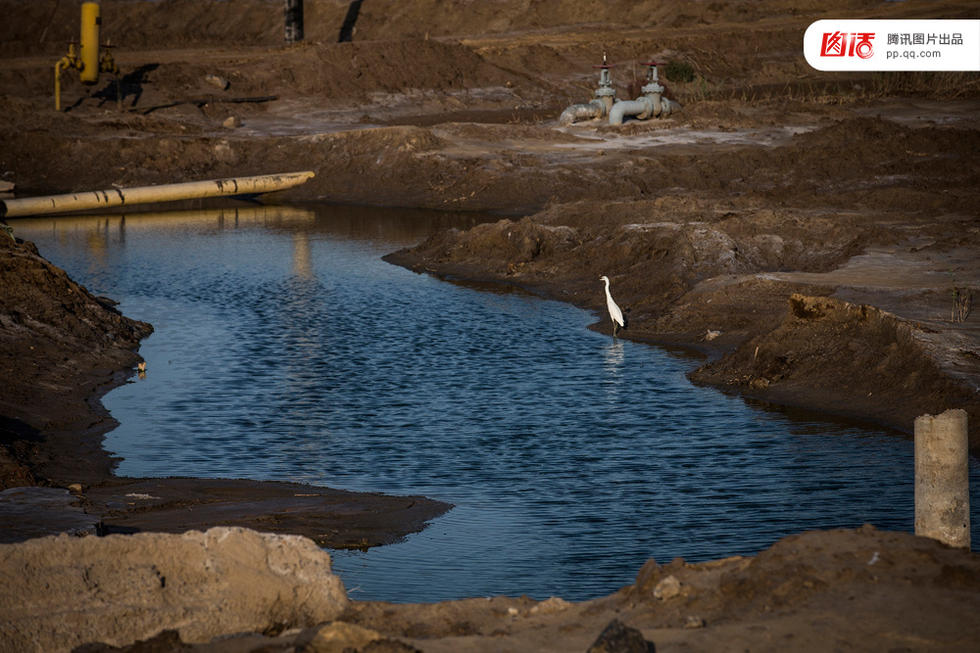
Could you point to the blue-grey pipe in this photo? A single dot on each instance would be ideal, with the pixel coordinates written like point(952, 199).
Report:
point(646, 106)
point(642, 108)
point(576, 112)
point(669, 107)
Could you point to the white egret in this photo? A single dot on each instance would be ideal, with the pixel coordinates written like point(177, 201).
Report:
point(618, 319)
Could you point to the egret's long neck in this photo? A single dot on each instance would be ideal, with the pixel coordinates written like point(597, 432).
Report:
point(608, 296)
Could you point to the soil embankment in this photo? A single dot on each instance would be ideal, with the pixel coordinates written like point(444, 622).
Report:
point(59, 346)
point(815, 234)
point(853, 590)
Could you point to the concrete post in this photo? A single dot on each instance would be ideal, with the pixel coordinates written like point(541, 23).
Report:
point(942, 481)
point(294, 21)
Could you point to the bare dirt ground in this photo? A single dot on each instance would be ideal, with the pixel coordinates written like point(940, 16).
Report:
point(816, 235)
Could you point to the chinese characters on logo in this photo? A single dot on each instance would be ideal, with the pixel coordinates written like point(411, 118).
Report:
point(921, 38)
point(844, 44)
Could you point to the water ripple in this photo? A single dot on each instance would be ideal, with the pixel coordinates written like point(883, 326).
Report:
point(286, 349)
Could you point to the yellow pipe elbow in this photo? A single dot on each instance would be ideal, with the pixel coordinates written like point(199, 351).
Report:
point(63, 64)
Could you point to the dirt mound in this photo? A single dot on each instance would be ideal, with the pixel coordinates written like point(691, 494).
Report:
point(853, 161)
point(54, 305)
point(68, 332)
point(656, 250)
point(799, 568)
point(874, 149)
point(829, 345)
point(353, 70)
point(118, 589)
point(853, 587)
point(862, 589)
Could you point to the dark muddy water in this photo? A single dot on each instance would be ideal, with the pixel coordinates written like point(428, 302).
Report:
point(286, 349)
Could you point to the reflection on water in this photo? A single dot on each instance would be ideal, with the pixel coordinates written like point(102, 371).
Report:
point(99, 229)
point(612, 362)
point(302, 260)
point(286, 349)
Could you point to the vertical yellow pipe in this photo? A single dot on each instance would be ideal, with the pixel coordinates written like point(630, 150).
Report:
point(57, 86)
point(91, 20)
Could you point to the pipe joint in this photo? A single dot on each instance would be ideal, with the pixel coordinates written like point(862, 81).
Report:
point(641, 107)
point(589, 111)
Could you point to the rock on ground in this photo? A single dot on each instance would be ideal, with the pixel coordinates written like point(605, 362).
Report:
point(120, 589)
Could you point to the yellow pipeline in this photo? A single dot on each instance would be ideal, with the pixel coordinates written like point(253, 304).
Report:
point(91, 20)
point(98, 199)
